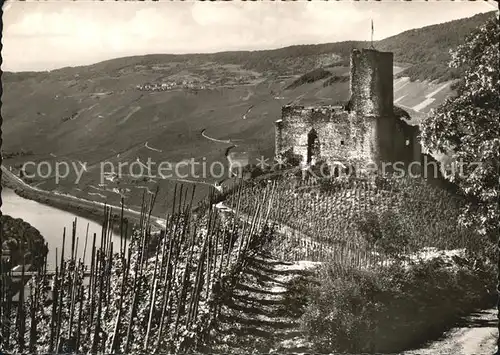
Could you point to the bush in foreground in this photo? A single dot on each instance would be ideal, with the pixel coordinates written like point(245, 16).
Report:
point(394, 308)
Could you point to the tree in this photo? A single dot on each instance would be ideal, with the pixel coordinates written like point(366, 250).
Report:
point(467, 126)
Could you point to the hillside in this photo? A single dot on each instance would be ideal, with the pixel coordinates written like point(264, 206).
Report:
point(427, 48)
point(132, 109)
point(429, 45)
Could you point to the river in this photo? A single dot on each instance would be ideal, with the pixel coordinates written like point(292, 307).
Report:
point(50, 222)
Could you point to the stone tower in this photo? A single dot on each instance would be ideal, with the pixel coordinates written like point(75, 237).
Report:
point(365, 131)
point(372, 91)
point(372, 100)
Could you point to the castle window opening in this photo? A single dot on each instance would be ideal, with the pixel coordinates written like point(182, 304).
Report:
point(407, 142)
point(312, 146)
point(342, 142)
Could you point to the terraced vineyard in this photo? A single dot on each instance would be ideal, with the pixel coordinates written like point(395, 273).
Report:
point(324, 219)
point(160, 292)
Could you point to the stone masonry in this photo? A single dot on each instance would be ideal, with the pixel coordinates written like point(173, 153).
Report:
point(364, 131)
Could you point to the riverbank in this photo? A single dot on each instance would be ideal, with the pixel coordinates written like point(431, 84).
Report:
point(22, 242)
point(84, 208)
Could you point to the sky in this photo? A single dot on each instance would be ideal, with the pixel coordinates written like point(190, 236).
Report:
point(53, 34)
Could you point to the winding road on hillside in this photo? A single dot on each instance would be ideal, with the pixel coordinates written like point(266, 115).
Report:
point(150, 148)
point(225, 141)
point(246, 113)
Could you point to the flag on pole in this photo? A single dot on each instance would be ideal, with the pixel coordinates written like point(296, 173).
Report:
point(372, 30)
point(372, 34)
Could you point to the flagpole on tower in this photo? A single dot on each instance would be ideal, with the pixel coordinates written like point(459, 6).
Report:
point(372, 35)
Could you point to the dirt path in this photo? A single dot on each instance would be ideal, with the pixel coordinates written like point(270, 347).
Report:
point(477, 335)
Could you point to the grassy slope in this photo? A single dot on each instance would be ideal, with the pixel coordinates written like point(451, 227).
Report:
point(428, 48)
point(120, 120)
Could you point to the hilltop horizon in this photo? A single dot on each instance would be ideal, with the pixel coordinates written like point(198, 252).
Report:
point(33, 33)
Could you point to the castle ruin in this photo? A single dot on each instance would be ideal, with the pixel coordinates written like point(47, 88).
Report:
point(367, 130)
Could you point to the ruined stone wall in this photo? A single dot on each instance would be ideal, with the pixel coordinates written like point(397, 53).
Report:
point(342, 136)
point(369, 132)
point(372, 91)
point(408, 144)
point(397, 142)
point(416, 145)
point(346, 137)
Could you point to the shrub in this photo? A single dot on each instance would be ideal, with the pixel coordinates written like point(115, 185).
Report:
point(291, 159)
point(295, 298)
point(431, 71)
point(425, 216)
point(310, 77)
point(253, 170)
point(336, 79)
point(363, 310)
point(386, 231)
point(28, 180)
point(340, 63)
